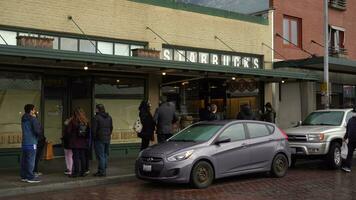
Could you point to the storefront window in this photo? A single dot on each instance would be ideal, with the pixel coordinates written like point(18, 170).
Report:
point(122, 49)
point(87, 46)
point(105, 48)
point(69, 44)
point(16, 90)
point(121, 98)
point(8, 36)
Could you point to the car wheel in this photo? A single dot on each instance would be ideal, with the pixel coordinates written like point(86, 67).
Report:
point(334, 156)
point(279, 166)
point(202, 175)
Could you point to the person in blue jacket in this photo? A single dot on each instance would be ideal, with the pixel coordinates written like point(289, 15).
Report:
point(31, 129)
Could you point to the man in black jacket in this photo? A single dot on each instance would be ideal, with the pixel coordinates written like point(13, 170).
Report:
point(165, 117)
point(102, 130)
point(350, 135)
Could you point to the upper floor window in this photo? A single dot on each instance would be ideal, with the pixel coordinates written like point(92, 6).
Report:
point(338, 4)
point(336, 38)
point(292, 31)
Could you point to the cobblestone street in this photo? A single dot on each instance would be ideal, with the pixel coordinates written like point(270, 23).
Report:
point(310, 180)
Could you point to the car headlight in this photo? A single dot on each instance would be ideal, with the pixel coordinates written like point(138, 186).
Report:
point(315, 137)
point(180, 156)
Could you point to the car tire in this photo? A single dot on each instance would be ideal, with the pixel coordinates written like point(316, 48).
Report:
point(202, 175)
point(279, 166)
point(334, 156)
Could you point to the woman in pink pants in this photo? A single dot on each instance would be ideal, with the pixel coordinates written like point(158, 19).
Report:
point(68, 154)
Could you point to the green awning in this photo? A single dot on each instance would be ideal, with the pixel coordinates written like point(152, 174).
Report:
point(138, 62)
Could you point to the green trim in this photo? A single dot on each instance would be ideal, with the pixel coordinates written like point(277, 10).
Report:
point(347, 65)
point(204, 10)
point(147, 62)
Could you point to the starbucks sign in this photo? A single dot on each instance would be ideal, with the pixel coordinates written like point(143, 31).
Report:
point(212, 57)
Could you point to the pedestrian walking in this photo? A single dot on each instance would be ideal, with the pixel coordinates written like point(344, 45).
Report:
point(165, 117)
point(68, 154)
point(31, 129)
point(205, 113)
point(245, 113)
point(269, 115)
point(77, 132)
point(101, 131)
point(148, 124)
point(350, 138)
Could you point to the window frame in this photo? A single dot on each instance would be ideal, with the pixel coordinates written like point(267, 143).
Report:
point(290, 43)
point(332, 37)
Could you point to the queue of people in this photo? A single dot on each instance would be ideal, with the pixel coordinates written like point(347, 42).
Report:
point(77, 138)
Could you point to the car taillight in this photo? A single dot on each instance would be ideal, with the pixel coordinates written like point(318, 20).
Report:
point(283, 133)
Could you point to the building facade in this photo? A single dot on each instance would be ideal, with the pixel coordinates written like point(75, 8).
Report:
point(59, 55)
point(299, 46)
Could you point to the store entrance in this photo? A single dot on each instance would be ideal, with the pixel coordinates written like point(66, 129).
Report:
point(61, 96)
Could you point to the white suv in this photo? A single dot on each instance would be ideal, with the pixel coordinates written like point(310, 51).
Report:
point(320, 136)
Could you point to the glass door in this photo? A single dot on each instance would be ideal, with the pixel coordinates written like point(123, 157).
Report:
point(81, 95)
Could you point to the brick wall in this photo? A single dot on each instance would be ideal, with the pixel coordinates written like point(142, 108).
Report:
point(128, 20)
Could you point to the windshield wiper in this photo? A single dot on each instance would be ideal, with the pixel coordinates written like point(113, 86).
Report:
point(325, 124)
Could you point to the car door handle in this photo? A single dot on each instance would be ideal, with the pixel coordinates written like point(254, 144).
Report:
point(270, 139)
point(244, 145)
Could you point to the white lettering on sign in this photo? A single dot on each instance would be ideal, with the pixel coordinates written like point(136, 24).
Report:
point(167, 54)
point(256, 64)
point(203, 58)
point(214, 59)
point(236, 60)
point(226, 60)
point(192, 56)
point(246, 62)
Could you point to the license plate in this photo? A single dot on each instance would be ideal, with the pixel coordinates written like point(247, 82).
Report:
point(147, 168)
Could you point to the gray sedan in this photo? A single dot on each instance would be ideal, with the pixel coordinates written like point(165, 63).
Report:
point(206, 151)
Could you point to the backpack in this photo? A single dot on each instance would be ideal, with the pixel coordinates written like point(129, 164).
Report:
point(137, 127)
point(82, 130)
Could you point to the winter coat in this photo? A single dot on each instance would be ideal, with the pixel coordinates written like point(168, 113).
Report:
point(31, 129)
point(269, 116)
point(164, 117)
point(102, 127)
point(148, 125)
point(246, 114)
point(351, 130)
point(75, 141)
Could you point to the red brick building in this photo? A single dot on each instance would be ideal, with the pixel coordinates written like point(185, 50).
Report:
point(299, 46)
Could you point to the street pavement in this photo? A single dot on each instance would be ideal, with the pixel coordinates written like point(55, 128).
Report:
point(308, 180)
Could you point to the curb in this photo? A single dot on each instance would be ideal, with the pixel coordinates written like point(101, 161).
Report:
point(65, 185)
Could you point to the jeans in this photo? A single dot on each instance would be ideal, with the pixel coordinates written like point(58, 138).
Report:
point(145, 143)
point(102, 154)
point(68, 154)
point(27, 164)
point(79, 161)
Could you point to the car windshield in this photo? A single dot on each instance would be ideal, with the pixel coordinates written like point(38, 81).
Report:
point(197, 133)
point(327, 118)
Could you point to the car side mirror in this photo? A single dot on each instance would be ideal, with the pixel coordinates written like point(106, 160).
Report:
point(345, 124)
point(223, 140)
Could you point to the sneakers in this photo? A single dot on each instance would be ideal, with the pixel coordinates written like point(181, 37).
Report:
point(34, 180)
point(67, 172)
point(346, 169)
point(23, 179)
point(37, 174)
point(87, 172)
